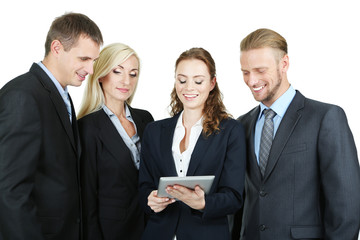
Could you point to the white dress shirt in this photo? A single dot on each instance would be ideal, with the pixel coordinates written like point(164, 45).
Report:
point(182, 160)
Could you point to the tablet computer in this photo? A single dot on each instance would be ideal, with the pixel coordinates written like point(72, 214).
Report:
point(204, 182)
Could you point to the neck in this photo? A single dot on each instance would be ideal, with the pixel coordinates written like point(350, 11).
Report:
point(190, 117)
point(51, 67)
point(117, 108)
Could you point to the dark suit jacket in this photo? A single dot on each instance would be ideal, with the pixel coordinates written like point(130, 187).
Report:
point(39, 161)
point(310, 189)
point(110, 179)
point(222, 154)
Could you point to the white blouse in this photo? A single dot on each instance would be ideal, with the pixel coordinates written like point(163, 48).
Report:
point(182, 160)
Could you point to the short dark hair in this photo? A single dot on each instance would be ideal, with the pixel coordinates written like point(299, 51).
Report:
point(69, 27)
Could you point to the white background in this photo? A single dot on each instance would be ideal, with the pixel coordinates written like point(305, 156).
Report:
point(323, 39)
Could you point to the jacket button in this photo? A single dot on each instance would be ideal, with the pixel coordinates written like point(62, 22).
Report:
point(262, 193)
point(262, 227)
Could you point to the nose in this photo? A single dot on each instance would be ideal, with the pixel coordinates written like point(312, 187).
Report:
point(125, 79)
point(90, 67)
point(189, 85)
point(251, 79)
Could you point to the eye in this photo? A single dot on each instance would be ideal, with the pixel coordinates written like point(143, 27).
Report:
point(262, 70)
point(84, 59)
point(133, 74)
point(181, 81)
point(117, 71)
point(198, 82)
point(245, 73)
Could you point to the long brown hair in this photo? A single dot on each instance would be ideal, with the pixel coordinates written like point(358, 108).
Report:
point(214, 109)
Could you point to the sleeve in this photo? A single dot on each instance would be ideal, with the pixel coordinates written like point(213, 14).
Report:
point(20, 146)
point(229, 196)
point(340, 177)
point(146, 181)
point(89, 180)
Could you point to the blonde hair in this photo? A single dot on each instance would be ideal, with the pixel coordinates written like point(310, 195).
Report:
point(110, 56)
point(262, 38)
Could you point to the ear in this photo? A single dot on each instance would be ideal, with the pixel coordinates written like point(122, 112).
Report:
point(212, 83)
point(284, 63)
point(56, 47)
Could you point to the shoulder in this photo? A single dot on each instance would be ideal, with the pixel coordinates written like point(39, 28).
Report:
point(230, 125)
point(246, 118)
point(92, 121)
point(321, 109)
point(142, 113)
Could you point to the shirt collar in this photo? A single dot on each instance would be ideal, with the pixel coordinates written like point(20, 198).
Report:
point(281, 104)
point(180, 124)
point(62, 91)
point(110, 113)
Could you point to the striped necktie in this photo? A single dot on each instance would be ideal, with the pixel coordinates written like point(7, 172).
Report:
point(266, 139)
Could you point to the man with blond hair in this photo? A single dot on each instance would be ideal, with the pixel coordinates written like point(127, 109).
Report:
point(303, 174)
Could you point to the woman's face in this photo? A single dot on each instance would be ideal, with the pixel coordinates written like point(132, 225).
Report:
point(119, 84)
point(193, 83)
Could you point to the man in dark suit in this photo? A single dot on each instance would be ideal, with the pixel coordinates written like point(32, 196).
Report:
point(303, 181)
point(39, 143)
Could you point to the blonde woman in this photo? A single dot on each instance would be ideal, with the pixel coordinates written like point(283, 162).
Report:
point(110, 131)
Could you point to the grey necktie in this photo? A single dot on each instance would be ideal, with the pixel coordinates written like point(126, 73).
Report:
point(266, 139)
point(68, 105)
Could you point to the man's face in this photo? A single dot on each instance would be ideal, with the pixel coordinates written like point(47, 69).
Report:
point(74, 65)
point(264, 72)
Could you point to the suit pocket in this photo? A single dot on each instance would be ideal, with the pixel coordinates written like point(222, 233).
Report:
point(112, 213)
point(306, 232)
point(51, 226)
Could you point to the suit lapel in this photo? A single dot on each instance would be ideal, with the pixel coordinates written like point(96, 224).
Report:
point(198, 153)
point(166, 140)
point(253, 164)
point(115, 144)
point(57, 101)
point(284, 132)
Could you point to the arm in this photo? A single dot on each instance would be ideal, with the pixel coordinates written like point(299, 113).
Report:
point(147, 185)
point(340, 176)
point(228, 197)
point(20, 146)
point(89, 179)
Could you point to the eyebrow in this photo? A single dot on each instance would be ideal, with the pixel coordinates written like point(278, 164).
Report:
point(196, 76)
point(134, 69)
point(256, 68)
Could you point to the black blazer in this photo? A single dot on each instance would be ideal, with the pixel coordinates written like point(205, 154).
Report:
point(110, 179)
point(39, 161)
point(221, 154)
point(311, 185)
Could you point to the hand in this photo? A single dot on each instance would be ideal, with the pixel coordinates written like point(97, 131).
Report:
point(193, 198)
point(157, 204)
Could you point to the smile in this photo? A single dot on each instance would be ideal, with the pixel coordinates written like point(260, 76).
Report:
point(123, 90)
point(190, 96)
point(82, 77)
point(256, 89)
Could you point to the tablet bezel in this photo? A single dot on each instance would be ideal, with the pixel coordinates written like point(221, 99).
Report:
point(204, 182)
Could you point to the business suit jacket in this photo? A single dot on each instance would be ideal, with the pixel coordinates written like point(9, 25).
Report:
point(221, 154)
point(310, 189)
point(39, 161)
point(110, 179)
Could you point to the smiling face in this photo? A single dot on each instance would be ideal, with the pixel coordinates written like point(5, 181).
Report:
point(193, 83)
point(74, 65)
point(264, 72)
point(119, 84)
